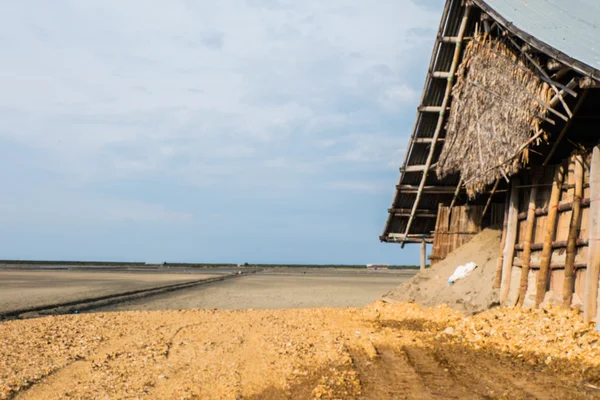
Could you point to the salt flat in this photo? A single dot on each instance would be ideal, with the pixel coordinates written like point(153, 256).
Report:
point(20, 289)
point(279, 288)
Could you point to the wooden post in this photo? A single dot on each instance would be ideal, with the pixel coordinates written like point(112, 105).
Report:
point(511, 237)
point(574, 226)
point(590, 295)
point(498, 278)
point(423, 255)
point(542, 279)
point(527, 246)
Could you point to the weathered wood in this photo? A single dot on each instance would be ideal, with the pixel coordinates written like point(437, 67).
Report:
point(590, 304)
point(553, 65)
point(542, 279)
point(556, 99)
point(489, 200)
point(565, 128)
point(441, 118)
point(556, 244)
point(511, 237)
point(535, 264)
point(427, 189)
point(527, 247)
point(423, 255)
point(405, 212)
point(562, 206)
point(588, 83)
point(498, 277)
point(574, 226)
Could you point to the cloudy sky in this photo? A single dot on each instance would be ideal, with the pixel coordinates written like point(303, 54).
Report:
point(210, 131)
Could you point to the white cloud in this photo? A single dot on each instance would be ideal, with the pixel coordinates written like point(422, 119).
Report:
point(262, 93)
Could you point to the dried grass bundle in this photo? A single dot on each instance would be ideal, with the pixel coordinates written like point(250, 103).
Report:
point(497, 103)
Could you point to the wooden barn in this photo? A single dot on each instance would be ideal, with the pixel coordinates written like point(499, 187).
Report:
point(507, 134)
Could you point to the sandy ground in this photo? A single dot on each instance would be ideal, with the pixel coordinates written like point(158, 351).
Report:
point(470, 295)
point(277, 289)
point(382, 351)
point(21, 289)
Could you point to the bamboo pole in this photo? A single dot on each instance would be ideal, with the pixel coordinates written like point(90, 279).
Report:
point(489, 200)
point(565, 128)
point(593, 270)
point(498, 278)
point(511, 236)
point(542, 280)
point(574, 226)
point(428, 80)
point(527, 247)
point(441, 118)
point(423, 255)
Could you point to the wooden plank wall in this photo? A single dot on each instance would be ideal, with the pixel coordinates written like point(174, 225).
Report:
point(457, 226)
point(543, 177)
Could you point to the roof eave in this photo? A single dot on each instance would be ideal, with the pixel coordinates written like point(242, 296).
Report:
point(538, 44)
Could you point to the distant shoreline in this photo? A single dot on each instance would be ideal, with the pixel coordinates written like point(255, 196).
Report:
point(113, 264)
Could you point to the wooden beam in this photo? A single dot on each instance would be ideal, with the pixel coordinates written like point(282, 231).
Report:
point(527, 247)
point(405, 212)
point(511, 237)
point(553, 84)
point(426, 84)
point(562, 207)
point(557, 244)
point(423, 255)
point(588, 83)
point(456, 192)
point(542, 279)
point(432, 109)
point(445, 103)
point(535, 264)
point(590, 297)
point(426, 189)
point(498, 277)
point(553, 65)
point(489, 200)
point(416, 168)
point(561, 73)
point(574, 226)
point(426, 140)
point(556, 99)
point(440, 74)
point(455, 39)
point(565, 128)
point(400, 237)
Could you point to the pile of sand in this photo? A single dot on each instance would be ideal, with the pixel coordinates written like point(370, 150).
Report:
point(470, 295)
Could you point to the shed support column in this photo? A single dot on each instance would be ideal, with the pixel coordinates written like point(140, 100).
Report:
point(527, 245)
point(423, 254)
point(573, 232)
point(590, 301)
point(550, 233)
point(511, 237)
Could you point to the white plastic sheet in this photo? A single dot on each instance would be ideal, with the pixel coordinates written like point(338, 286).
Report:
point(461, 272)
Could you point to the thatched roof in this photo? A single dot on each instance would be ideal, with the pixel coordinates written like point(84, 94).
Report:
point(420, 190)
point(498, 102)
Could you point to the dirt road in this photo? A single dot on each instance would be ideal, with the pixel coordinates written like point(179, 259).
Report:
point(383, 351)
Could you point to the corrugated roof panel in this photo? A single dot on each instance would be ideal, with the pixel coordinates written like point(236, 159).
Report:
point(571, 27)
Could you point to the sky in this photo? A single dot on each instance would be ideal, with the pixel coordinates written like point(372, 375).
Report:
point(260, 131)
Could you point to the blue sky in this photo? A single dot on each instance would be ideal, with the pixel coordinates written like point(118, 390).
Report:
point(200, 131)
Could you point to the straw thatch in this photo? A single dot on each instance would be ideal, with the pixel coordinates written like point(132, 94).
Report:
point(498, 102)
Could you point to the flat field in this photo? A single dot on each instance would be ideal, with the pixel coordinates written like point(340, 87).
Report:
point(26, 288)
point(278, 288)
